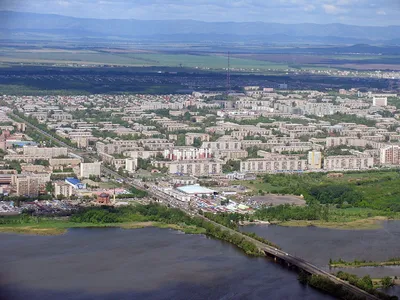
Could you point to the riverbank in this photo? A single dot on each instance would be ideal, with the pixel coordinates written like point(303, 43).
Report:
point(359, 264)
point(361, 224)
point(61, 227)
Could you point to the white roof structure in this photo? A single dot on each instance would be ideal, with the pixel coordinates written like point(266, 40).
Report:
point(195, 189)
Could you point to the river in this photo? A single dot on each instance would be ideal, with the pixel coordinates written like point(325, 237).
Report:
point(318, 245)
point(147, 263)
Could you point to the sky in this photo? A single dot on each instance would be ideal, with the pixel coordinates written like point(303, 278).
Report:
point(356, 12)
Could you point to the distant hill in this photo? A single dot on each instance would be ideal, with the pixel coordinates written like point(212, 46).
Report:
point(17, 25)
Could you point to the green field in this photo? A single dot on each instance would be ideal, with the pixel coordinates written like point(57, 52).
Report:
point(202, 61)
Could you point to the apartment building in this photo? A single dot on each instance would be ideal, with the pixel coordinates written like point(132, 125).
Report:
point(274, 164)
point(187, 153)
point(348, 162)
point(45, 151)
point(62, 188)
point(230, 154)
point(61, 116)
point(192, 167)
point(223, 145)
point(156, 144)
point(131, 164)
point(90, 169)
point(379, 101)
point(116, 162)
point(390, 155)
point(190, 138)
point(314, 160)
point(27, 186)
point(54, 162)
point(141, 153)
point(295, 149)
point(116, 146)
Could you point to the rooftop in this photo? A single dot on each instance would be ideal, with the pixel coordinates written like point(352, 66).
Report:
point(195, 189)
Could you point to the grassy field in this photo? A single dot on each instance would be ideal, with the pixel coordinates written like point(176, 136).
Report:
point(360, 264)
point(360, 224)
point(204, 61)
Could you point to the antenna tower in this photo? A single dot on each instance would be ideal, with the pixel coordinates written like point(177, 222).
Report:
point(228, 74)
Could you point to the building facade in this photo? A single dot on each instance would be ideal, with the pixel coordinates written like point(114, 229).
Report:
point(314, 160)
point(390, 155)
point(347, 162)
point(283, 164)
point(90, 169)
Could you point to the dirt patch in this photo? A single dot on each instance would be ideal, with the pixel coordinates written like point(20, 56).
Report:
point(275, 200)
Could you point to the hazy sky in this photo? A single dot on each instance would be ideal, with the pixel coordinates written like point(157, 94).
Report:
point(359, 12)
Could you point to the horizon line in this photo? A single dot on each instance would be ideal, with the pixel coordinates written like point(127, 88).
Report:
point(192, 20)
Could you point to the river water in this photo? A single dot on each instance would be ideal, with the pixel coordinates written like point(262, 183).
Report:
point(147, 263)
point(154, 263)
point(318, 245)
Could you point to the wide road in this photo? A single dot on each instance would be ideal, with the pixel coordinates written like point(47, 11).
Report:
point(154, 192)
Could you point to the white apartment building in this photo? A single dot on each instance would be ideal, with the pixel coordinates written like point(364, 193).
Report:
point(116, 147)
point(230, 154)
point(64, 189)
point(347, 162)
point(157, 144)
point(187, 153)
point(274, 164)
point(192, 167)
point(379, 101)
point(222, 145)
point(131, 164)
point(90, 169)
point(45, 151)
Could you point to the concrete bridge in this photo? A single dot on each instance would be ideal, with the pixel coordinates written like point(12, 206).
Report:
point(302, 265)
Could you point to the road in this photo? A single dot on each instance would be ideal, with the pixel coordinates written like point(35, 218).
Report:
point(158, 194)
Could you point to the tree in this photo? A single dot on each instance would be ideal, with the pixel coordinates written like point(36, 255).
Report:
point(197, 142)
point(187, 116)
point(49, 187)
point(387, 282)
point(181, 140)
point(231, 166)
